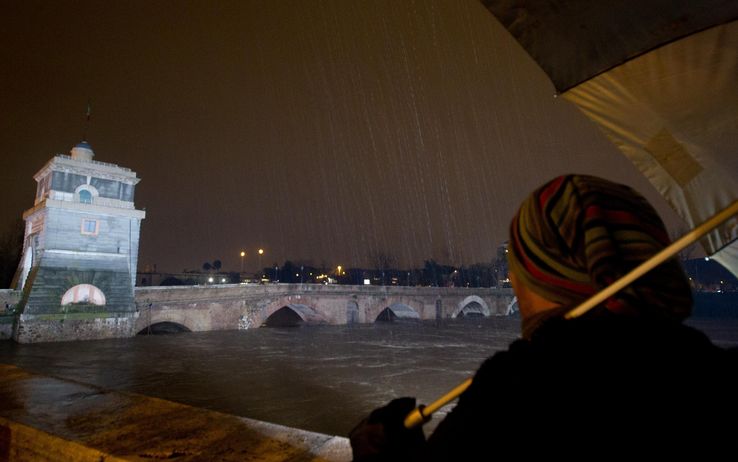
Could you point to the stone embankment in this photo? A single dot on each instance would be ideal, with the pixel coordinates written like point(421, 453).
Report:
point(50, 419)
point(8, 300)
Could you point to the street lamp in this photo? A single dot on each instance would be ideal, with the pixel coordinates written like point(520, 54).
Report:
point(261, 252)
point(243, 254)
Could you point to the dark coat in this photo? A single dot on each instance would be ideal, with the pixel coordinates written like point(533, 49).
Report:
point(597, 388)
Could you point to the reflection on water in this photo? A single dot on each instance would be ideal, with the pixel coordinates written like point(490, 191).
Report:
point(322, 378)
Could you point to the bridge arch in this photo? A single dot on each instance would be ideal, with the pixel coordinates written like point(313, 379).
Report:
point(397, 311)
point(292, 315)
point(473, 305)
point(164, 327)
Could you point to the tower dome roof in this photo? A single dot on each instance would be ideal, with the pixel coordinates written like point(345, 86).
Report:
point(82, 151)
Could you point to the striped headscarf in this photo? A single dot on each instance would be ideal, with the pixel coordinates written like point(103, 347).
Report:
point(577, 234)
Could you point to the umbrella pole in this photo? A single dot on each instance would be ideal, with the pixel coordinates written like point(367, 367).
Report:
point(421, 414)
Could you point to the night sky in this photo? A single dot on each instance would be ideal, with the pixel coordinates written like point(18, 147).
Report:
point(326, 132)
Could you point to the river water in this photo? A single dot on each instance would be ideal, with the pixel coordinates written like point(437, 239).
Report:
point(319, 378)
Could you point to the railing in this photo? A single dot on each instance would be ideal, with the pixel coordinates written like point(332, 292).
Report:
point(101, 201)
point(97, 162)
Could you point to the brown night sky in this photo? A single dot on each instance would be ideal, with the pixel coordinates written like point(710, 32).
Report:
point(322, 131)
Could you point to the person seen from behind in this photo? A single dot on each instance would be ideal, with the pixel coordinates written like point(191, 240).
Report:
point(628, 378)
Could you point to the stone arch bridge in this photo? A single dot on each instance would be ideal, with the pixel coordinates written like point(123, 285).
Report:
point(228, 307)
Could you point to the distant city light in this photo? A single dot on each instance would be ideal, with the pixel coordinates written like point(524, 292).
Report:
point(325, 279)
point(707, 258)
point(210, 279)
point(367, 282)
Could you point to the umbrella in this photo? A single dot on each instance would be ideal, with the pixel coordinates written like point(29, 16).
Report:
point(660, 79)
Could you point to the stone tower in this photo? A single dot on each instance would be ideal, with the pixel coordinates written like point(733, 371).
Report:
point(80, 252)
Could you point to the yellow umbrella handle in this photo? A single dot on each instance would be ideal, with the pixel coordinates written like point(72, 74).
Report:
point(422, 414)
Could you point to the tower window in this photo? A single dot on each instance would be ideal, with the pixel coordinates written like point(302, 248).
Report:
point(85, 193)
point(85, 196)
point(90, 227)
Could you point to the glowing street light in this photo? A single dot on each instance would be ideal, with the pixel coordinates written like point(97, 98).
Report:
point(243, 254)
point(261, 252)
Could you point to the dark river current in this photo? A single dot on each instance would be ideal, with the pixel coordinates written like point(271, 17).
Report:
point(323, 379)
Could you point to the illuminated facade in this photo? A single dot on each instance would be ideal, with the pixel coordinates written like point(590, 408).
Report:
point(80, 251)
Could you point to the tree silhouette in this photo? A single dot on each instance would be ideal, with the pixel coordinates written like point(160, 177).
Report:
point(11, 245)
point(215, 265)
point(288, 272)
point(383, 263)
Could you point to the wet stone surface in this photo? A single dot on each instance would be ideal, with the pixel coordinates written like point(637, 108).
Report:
point(44, 418)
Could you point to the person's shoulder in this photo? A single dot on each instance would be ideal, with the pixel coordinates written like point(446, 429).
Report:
point(621, 331)
point(506, 364)
point(689, 342)
point(517, 350)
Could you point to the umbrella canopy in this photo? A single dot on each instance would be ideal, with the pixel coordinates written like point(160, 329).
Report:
point(659, 79)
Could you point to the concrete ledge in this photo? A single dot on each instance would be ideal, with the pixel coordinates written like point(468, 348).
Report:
point(49, 419)
point(23, 443)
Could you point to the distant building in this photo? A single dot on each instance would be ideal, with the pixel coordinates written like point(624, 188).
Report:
point(80, 250)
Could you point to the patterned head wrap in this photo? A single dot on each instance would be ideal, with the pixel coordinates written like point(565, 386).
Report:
point(577, 234)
